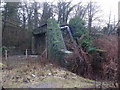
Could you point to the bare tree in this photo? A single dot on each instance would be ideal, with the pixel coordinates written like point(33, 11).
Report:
point(93, 10)
point(81, 10)
point(29, 11)
point(64, 9)
point(35, 10)
point(22, 13)
point(29, 14)
point(10, 13)
point(47, 12)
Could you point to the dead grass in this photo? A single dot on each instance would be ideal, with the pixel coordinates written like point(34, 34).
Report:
point(28, 72)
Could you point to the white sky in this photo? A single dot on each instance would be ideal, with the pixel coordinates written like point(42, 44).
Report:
point(105, 5)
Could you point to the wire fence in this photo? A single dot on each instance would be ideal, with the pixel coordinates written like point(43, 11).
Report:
point(17, 52)
point(15, 57)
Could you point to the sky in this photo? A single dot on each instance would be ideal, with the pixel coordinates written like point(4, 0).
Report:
point(106, 6)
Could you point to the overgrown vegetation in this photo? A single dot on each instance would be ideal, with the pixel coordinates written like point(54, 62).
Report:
point(77, 26)
point(94, 53)
point(55, 42)
point(94, 56)
point(78, 29)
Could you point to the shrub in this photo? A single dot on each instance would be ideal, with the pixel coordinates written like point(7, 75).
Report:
point(77, 26)
point(86, 44)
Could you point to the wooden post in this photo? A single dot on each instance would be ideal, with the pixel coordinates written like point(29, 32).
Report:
point(46, 45)
point(33, 45)
point(26, 53)
point(6, 54)
point(118, 69)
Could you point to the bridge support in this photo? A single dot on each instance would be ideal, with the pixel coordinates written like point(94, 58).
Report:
point(55, 42)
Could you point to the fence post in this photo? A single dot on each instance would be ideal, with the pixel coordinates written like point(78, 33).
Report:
point(26, 53)
point(6, 54)
point(33, 45)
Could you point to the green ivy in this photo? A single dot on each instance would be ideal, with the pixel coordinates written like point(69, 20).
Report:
point(86, 44)
point(77, 26)
point(55, 40)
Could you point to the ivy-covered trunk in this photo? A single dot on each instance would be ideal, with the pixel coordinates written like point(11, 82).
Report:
point(55, 42)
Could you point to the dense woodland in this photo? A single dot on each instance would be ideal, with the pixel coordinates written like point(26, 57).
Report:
point(95, 51)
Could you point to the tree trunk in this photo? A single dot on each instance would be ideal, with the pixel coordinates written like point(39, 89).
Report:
point(35, 15)
point(89, 24)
